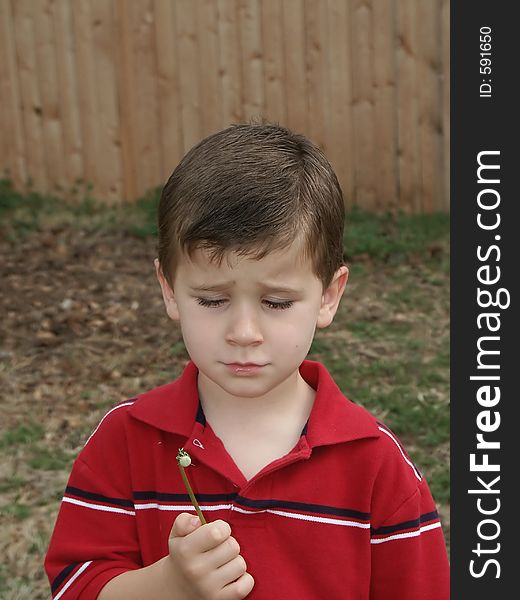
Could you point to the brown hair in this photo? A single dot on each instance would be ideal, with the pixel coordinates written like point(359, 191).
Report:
point(252, 189)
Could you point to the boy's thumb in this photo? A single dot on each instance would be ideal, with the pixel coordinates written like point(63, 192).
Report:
point(184, 524)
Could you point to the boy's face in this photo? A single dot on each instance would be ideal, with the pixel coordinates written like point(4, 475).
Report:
point(248, 324)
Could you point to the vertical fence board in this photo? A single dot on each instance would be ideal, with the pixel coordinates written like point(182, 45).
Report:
point(127, 109)
point(363, 104)
point(67, 85)
point(429, 101)
point(444, 204)
point(5, 85)
point(408, 150)
point(82, 34)
point(384, 162)
point(250, 28)
point(274, 70)
point(229, 61)
point(47, 82)
point(29, 93)
point(340, 135)
point(12, 142)
point(208, 68)
point(109, 182)
point(188, 59)
point(317, 68)
point(294, 52)
point(147, 150)
point(171, 140)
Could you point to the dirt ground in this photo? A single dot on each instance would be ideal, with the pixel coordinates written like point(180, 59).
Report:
point(82, 327)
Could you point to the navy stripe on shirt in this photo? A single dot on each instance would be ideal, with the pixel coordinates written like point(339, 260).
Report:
point(305, 507)
point(62, 575)
point(74, 491)
point(405, 524)
point(151, 495)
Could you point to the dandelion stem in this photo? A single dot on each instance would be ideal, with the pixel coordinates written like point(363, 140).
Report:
point(183, 453)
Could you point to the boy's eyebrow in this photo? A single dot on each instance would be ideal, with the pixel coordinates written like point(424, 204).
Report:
point(274, 287)
point(268, 286)
point(212, 288)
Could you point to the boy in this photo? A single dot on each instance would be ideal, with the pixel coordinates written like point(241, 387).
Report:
point(307, 496)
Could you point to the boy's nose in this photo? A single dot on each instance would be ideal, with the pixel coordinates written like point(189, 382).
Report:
point(244, 330)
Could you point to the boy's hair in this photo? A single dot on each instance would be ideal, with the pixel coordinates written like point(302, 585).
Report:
point(252, 189)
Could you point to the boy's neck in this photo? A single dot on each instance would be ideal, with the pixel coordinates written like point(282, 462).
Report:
point(257, 431)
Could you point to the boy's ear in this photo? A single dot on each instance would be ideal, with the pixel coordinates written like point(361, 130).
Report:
point(331, 297)
point(167, 293)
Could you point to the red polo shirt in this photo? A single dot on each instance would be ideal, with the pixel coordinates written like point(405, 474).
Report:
point(344, 515)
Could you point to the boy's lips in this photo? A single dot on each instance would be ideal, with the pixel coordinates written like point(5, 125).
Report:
point(244, 368)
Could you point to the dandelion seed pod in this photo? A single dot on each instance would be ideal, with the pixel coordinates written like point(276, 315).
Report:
point(183, 458)
point(185, 461)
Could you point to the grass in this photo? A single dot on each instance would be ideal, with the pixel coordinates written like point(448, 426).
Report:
point(392, 237)
point(24, 433)
point(12, 483)
point(44, 459)
point(23, 213)
point(18, 511)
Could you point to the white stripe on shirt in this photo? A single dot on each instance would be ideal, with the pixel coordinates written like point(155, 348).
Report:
point(100, 507)
point(409, 534)
point(110, 411)
point(401, 451)
point(71, 580)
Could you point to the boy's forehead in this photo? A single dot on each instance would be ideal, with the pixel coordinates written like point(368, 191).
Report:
point(282, 264)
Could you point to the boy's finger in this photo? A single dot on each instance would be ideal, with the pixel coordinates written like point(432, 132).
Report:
point(184, 524)
point(223, 553)
point(209, 536)
point(239, 588)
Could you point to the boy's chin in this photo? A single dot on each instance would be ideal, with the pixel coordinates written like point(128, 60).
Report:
point(245, 387)
point(251, 387)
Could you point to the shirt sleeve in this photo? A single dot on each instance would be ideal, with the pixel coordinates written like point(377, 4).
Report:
point(408, 550)
point(95, 536)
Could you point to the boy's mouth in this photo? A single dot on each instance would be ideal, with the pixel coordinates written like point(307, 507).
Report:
point(244, 368)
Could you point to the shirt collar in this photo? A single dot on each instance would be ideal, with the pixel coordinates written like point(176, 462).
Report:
point(334, 418)
point(175, 408)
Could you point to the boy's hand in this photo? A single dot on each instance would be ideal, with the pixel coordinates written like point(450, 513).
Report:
point(207, 560)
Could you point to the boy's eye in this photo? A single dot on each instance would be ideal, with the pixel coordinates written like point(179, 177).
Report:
point(273, 304)
point(210, 303)
point(279, 305)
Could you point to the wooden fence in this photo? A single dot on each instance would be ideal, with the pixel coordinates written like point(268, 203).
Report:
point(114, 92)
